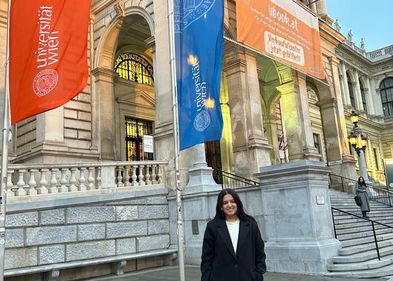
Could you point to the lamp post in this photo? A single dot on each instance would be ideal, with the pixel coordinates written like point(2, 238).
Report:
point(359, 143)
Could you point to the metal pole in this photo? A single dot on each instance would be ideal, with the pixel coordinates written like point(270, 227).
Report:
point(375, 240)
point(334, 224)
point(4, 155)
point(362, 165)
point(180, 231)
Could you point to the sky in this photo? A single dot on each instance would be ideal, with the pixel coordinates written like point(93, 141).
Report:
point(370, 19)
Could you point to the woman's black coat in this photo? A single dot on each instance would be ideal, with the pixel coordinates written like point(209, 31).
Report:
point(219, 261)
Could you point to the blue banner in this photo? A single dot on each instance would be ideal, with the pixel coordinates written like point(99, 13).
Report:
point(199, 45)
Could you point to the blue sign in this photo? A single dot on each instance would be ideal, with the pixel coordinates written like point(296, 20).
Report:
point(199, 27)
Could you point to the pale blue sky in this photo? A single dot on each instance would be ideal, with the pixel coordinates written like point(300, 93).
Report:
point(370, 19)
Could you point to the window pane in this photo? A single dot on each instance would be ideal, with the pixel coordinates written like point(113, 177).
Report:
point(134, 68)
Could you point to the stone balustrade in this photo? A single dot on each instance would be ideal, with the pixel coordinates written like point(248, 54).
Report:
point(38, 179)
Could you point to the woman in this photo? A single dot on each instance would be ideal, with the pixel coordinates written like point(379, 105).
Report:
point(233, 249)
point(361, 191)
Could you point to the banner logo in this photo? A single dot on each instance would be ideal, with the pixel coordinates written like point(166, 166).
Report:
point(192, 11)
point(45, 81)
point(202, 121)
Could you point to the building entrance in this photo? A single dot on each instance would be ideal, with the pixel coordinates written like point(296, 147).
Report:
point(135, 130)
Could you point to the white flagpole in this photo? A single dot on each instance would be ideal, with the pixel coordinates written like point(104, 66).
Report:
point(180, 230)
point(4, 155)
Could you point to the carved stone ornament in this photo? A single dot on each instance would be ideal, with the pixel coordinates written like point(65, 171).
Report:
point(120, 8)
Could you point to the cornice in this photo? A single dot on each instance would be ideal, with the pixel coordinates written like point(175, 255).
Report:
point(330, 34)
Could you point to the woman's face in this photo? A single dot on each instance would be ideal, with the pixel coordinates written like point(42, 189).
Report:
point(361, 179)
point(229, 206)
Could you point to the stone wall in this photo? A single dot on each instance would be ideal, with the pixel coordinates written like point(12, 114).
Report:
point(64, 231)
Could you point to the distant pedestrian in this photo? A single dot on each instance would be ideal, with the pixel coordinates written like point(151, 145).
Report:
point(361, 191)
point(233, 249)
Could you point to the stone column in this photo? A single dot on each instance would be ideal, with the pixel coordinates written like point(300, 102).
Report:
point(357, 92)
point(298, 227)
point(251, 149)
point(50, 130)
point(347, 99)
point(335, 130)
point(369, 94)
point(377, 99)
point(105, 112)
point(297, 121)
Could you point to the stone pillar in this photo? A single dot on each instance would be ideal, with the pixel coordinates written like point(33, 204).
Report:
point(377, 99)
point(332, 110)
point(298, 227)
point(50, 126)
point(297, 121)
point(50, 130)
point(357, 92)
point(347, 99)
point(105, 112)
point(370, 100)
point(250, 146)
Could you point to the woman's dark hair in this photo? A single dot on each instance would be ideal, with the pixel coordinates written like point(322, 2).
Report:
point(240, 209)
point(361, 182)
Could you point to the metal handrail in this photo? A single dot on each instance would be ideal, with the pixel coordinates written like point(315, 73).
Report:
point(373, 222)
point(230, 180)
point(384, 196)
point(341, 181)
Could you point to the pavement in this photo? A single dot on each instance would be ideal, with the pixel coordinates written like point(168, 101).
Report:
point(171, 273)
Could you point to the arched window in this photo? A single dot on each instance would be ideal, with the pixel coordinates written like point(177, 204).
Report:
point(134, 68)
point(350, 89)
point(387, 95)
point(363, 93)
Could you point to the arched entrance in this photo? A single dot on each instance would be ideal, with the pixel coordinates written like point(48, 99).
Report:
point(125, 88)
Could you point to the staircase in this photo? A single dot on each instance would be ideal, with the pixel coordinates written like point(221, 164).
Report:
point(358, 256)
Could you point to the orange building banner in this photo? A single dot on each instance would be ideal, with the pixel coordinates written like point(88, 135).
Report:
point(282, 30)
point(48, 54)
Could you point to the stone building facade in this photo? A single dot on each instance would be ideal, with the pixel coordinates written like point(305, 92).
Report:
point(80, 169)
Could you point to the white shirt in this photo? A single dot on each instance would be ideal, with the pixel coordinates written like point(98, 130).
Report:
point(233, 229)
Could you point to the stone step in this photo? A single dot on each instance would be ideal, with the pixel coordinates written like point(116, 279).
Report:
point(365, 240)
point(366, 228)
point(368, 273)
point(354, 207)
point(370, 246)
point(363, 234)
point(355, 224)
point(358, 257)
point(373, 264)
point(365, 256)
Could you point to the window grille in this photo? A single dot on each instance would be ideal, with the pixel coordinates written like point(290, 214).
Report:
point(135, 129)
point(134, 68)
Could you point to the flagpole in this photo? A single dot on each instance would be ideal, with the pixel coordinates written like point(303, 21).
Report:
point(4, 155)
point(180, 230)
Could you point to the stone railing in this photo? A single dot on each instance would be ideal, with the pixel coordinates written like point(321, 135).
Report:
point(39, 179)
point(381, 53)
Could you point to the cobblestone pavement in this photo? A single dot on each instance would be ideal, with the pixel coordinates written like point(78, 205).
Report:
point(193, 274)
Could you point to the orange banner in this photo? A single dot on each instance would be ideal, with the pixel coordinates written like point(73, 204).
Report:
point(282, 30)
point(48, 54)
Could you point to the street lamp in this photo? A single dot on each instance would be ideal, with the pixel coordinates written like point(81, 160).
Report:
point(359, 143)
